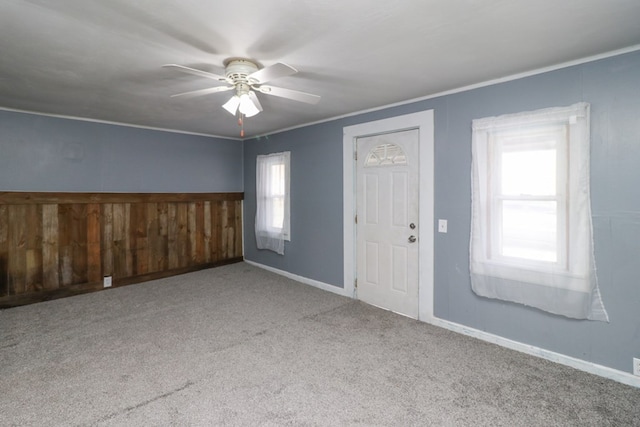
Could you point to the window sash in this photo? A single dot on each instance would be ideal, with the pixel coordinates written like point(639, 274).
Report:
point(528, 140)
point(275, 213)
point(272, 195)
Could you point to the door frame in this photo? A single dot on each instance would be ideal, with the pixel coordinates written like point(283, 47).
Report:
point(424, 122)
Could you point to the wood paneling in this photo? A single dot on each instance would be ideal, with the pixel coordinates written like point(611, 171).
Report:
point(17, 198)
point(17, 260)
point(4, 251)
point(50, 260)
point(59, 244)
point(94, 257)
point(33, 245)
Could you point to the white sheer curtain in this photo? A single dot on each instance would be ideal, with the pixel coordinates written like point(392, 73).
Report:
point(272, 201)
point(531, 230)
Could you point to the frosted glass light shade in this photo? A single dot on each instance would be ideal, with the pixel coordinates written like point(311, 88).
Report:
point(232, 104)
point(247, 107)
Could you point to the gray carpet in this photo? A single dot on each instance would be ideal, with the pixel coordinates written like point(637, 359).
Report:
point(240, 346)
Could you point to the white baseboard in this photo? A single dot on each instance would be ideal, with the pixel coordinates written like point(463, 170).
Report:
point(582, 365)
point(306, 281)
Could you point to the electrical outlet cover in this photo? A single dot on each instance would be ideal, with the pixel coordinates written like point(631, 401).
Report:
point(636, 366)
point(106, 282)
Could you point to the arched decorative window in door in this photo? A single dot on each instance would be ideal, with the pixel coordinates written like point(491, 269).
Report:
point(385, 155)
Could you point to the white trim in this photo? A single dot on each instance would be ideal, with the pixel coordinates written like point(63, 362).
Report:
point(423, 121)
point(306, 281)
point(581, 365)
point(485, 83)
point(244, 235)
point(107, 122)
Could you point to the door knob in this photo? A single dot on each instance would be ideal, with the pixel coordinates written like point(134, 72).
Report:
point(412, 226)
point(412, 239)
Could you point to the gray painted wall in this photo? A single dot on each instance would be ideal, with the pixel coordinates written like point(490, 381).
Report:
point(315, 249)
point(612, 86)
point(39, 153)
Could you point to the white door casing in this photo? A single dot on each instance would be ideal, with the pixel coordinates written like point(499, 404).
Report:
point(386, 231)
point(423, 121)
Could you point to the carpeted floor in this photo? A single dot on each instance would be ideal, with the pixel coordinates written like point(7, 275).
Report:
point(237, 345)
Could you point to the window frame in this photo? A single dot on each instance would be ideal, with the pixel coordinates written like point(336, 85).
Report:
point(572, 262)
point(537, 138)
point(267, 199)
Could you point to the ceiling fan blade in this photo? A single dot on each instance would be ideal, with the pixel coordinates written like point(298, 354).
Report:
point(200, 92)
point(255, 100)
point(272, 72)
point(296, 95)
point(195, 72)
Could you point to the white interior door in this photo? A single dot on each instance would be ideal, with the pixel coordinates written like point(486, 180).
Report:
point(387, 245)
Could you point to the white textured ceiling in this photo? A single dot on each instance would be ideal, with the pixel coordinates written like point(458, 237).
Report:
point(102, 59)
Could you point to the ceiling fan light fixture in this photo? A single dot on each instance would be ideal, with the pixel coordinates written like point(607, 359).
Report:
point(247, 107)
point(245, 77)
point(232, 104)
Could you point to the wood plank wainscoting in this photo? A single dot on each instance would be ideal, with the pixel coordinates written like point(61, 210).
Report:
point(60, 244)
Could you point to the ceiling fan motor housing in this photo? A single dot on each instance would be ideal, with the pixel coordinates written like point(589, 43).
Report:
point(237, 71)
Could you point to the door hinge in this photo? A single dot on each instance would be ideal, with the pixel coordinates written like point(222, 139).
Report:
point(355, 219)
point(355, 155)
point(355, 283)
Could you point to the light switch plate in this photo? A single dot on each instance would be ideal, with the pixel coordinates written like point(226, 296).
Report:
point(442, 226)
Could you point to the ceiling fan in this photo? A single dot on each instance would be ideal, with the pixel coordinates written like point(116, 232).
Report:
point(246, 78)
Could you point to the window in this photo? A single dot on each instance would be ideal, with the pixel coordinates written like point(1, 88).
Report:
point(528, 190)
point(385, 155)
point(272, 201)
point(531, 237)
